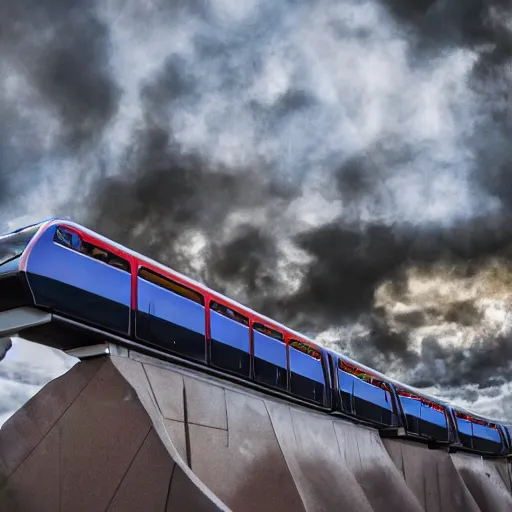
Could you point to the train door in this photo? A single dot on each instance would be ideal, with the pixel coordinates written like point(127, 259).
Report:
point(307, 377)
point(364, 395)
point(230, 340)
point(270, 358)
point(424, 417)
point(479, 435)
point(170, 315)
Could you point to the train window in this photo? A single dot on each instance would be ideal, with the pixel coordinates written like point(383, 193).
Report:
point(229, 313)
point(67, 238)
point(474, 420)
point(170, 285)
point(423, 417)
point(230, 341)
point(365, 395)
point(307, 378)
point(268, 331)
point(363, 375)
point(478, 434)
point(105, 256)
point(270, 359)
point(424, 401)
point(307, 349)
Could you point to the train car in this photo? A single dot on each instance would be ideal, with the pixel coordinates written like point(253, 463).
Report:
point(366, 395)
point(65, 273)
point(396, 409)
point(480, 435)
point(90, 289)
point(68, 287)
point(425, 418)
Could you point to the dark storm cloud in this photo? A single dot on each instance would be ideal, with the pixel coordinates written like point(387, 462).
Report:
point(248, 260)
point(367, 173)
point(172, 83)
point(492, 140)
point(484, 27)
point(62, 51)
point(449, 22)
point(348, 264)
point(351, 261)
point(74, 77)
point(486, 362)
point(463, 313)
point(382, 346)
point(167, 190)
point(165, 194)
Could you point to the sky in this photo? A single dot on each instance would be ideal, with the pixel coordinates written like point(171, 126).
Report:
point(341, 166)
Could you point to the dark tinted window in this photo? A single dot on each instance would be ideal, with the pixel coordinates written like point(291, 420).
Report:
point(268, 331)
point(423, 416)
point(170, 285)
point(229, 313)
point(105, 256)
point(14, 244)
point(307, 378)
point(67, 238)
point(307, 349)
point(479, 434)
point(365, 395)
point(424, 401)
point(363, 375)
point(476, 421)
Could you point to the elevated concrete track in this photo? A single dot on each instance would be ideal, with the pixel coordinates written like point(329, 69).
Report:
point(125, 432)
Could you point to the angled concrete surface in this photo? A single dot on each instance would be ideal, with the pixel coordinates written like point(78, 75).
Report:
point(86, 443)
point(128, 432)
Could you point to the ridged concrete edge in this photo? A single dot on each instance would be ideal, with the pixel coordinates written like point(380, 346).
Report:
point(86, 442)
point(134, 373)
point(320, 461)
point(128, 432)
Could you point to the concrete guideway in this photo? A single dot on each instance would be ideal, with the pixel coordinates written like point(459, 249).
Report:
point(129, 432)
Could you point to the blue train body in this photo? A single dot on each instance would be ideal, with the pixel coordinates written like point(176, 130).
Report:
point(91, 289)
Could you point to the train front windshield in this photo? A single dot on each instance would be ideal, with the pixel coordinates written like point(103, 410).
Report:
point(12, 245)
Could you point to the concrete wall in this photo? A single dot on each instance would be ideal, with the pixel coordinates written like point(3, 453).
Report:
point(85, 443)
point(134, 433)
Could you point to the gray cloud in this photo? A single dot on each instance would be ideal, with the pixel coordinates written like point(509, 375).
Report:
point(26, 368)
point(320, 163)
point(61, 53)
point(486, 363)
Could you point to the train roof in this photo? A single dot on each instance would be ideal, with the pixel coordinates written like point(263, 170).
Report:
point(69, 222)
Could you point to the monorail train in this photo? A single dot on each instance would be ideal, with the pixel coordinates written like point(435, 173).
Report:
point(67, 287)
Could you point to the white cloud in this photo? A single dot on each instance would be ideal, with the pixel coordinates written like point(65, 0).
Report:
point(26, 368)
